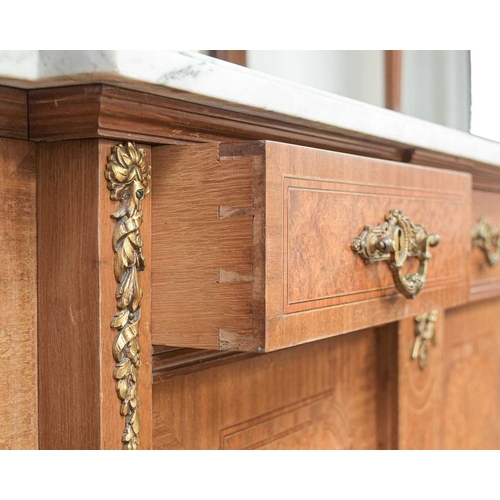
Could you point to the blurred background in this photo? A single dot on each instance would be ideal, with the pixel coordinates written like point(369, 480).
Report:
point(455, 88)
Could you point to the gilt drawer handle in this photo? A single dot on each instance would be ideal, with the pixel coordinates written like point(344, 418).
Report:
point(486, 236)
point(394, 241)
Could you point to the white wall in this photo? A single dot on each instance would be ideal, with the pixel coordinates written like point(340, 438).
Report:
point(358, 74)
point(435, 84)
point(485, 93)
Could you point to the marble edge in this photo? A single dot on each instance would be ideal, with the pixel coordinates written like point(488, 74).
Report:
point(234, 87)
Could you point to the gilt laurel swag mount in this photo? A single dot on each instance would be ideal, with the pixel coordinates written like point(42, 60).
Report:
point(394, 241)
point(425, 334)
point(128, 176)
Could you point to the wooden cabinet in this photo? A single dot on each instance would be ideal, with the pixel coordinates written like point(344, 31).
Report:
point(239, 313)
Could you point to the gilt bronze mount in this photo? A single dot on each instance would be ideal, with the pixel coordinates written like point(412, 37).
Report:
point(128, 176)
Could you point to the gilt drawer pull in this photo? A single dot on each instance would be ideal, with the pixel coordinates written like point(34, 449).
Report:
point(394, 241)
point(486, 236)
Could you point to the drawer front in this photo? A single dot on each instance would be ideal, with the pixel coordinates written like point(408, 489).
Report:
point(485, 274)
point(252, 243)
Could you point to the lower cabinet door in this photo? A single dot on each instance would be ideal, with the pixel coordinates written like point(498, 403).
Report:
point(427, 382)
point(453, 402)
point(330, 394)
point(470, 414)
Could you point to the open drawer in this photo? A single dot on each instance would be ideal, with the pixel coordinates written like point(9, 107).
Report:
point(259, 246)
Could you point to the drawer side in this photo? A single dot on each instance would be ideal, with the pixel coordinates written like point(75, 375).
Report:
point(207, 281)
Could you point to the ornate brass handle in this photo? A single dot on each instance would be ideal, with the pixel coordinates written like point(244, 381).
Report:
point(486, 236)
point(394, 241)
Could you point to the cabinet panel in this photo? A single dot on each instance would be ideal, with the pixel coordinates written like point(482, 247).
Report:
point(471, 383)
point(18, 352)
point(329, 394)
point(420, 389)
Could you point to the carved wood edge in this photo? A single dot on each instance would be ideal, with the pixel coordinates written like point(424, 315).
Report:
point(128, 176)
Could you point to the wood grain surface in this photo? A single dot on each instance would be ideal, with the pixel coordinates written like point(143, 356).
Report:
point(13, 113)
point(393, 78)
point(420, 399)
point(309, 258)
point(18, 353)
point(454, 403)
point(106, 111)
point(387, 387)
point(78, 404)
point(202, 250)
point(68, 295)
point(321, 395)
point(471, 383)
point(484, 177)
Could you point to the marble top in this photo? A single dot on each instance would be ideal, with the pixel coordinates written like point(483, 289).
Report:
point(200, 78)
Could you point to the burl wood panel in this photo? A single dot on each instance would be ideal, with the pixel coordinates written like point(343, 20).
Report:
point(471, 383)
point(322, 395)
point(251, 243)
point(78, 404)
point(18, 353)
point(321, 270)
point(419, 391)
point(485, 279)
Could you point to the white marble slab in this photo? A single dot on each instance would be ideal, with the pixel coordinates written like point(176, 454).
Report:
point(228, 86)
